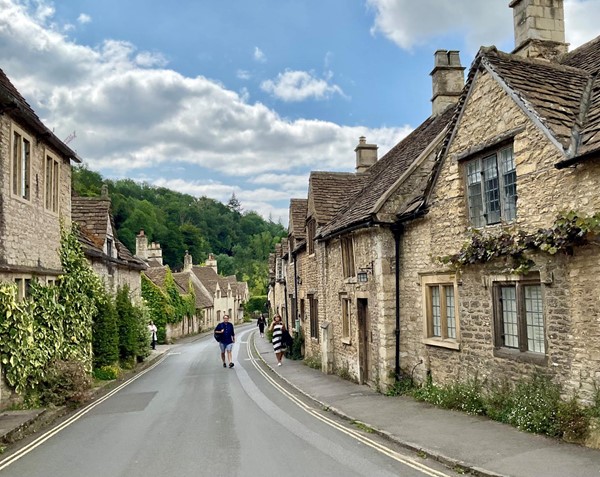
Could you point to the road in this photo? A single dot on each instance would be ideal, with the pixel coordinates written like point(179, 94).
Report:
point(188, 416)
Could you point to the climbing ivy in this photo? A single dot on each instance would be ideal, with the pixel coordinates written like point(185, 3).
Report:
point(167, 304)
point(568, 231)
point(52, 323)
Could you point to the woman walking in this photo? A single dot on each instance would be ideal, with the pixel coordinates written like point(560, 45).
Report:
point(277, 328)
point(261, 325)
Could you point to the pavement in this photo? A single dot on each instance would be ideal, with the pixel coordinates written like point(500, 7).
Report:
point(477, 445)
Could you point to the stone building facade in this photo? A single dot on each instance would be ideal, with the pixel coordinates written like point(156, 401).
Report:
point(35, 192)
point(535, 122)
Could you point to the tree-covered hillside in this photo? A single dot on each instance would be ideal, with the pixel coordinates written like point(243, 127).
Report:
point(240, 240)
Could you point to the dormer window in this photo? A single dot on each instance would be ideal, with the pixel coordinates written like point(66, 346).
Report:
point(109, 247)
point(492, 187)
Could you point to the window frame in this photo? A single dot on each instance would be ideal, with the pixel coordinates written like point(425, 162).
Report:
point(20, 186)
point(348, 263)
point(346, 304)
point(313, 309)
point(504, 193)
point(522, 351)
point(440, 282)
point(52, 172)
point(311, 231)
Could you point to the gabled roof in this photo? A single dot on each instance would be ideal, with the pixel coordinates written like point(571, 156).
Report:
point(207, 276)
point(329, 191)
point(182, 279)
point(385, 173)
point(298, 211)
point(157, 275)
point(92, 215)
point(13, 103)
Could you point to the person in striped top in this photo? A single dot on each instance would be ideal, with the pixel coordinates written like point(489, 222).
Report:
point(277, 328)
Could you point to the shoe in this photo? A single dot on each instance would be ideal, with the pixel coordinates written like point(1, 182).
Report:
point(278, 364)
point(224, 365)
point(231, 365)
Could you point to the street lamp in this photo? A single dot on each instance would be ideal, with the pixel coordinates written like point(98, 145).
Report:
point(363, 274)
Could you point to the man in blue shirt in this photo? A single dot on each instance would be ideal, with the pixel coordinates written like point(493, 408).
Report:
point(225, 329)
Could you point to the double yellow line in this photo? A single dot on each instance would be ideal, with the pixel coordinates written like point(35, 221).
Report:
point(415, 464)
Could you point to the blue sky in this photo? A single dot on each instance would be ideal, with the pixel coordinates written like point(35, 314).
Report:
point(242, 96)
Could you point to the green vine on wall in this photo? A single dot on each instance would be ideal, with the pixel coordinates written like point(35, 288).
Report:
point(569, 230)
point(52, 323)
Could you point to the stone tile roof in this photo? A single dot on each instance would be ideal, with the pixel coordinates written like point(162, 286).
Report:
point(14, 104)
point(207, 276)
point(297, 220)
point(157, 275)
point(182, 279)
point(329, 191)
point(92, 214)
point(384, 174)
point(552, 92)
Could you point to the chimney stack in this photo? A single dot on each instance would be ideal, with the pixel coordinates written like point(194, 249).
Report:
point(539, 28)
point(447, 79)
point(187, 262)
point(211, 261)
point(141, 245)
point(366, 155)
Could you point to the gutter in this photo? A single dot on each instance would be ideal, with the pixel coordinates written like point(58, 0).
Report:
point(575, 160)
point(351, 228)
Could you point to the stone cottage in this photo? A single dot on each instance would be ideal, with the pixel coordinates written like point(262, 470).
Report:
point(35, 192)
point(107, 255)
point(522, 150)
point(358, 245)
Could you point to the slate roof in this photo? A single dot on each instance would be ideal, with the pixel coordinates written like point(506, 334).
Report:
point(203, 300)
point(380, 177)
point(92, 215)
point(157, 275)
point(329, 191)
point(207, 276)
point(14, 104)
point(298, 211)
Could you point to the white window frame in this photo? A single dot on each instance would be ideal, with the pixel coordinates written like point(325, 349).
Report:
point(52, 172)
point(20, 167)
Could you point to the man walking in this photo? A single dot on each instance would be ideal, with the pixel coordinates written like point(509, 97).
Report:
point(225, 329)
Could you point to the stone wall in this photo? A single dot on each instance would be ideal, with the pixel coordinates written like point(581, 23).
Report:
point(571, 291)
point(30, 232)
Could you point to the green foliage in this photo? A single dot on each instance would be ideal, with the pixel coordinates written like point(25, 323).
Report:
point(295, 351)
point(107, 373)
point(240, 240)
point(105, 333)
point(65, 383)
point(402, 386)
point(532, 405)
point(256, 303)
point(53, 324)
point(313, 362)
point(569, 230)
point(127, 319)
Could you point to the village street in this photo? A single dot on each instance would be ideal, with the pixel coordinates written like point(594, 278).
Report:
point(187, 416)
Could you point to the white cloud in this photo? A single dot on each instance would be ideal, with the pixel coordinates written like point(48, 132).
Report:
point(409, 24)
point(83, 18)
point(243, 75)
point(300, 86)
point(259, 55)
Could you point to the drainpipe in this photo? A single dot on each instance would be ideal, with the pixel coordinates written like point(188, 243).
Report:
point(295, 293)
point(397, 231)
point(285, 299)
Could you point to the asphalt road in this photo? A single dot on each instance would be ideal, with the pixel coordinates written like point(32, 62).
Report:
point(188, 416)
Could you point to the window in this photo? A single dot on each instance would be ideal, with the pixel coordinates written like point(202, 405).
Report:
point(440, 311)
point(109, 247)
point(519, 316)
point(310, 239)
point(279, 269)
point(313, 305)
point(52, 182)
point(21, 165)
point(23, 287)
point(492, 188)
point(346, 320)
point(347, 257)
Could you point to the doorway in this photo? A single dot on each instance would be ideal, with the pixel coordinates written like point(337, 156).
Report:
point(365, 339)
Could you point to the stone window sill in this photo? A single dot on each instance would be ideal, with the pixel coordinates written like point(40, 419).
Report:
point(442, 343)
point(346, 341)
point(521, 356)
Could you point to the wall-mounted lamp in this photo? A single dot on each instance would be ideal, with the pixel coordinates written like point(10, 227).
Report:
point(363, 273)
point(299, 280)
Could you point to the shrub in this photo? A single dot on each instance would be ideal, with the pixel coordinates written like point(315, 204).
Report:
point(402, 386)
point(107, 373)
point(105, 337)
point(573, 421)
point(295, 352)
point(65, 382)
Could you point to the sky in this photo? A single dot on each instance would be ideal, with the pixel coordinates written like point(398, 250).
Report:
point(246, 97)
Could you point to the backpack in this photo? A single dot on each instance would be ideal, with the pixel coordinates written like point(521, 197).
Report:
point(218, 336)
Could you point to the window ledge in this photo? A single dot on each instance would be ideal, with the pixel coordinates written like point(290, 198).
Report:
point(521, 356)
point(346, 341)
point(442, 343)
